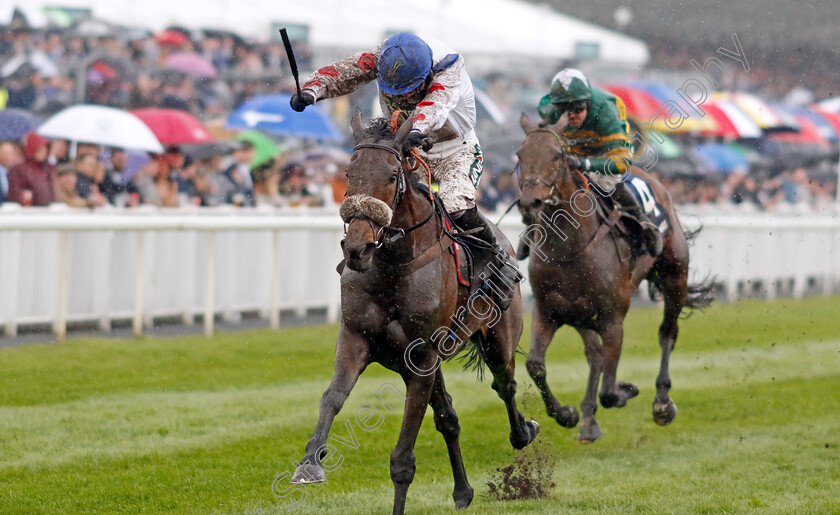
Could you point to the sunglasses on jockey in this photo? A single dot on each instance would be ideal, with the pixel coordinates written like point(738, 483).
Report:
point(574, 107)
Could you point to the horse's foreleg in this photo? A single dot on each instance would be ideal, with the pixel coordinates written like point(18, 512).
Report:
point(446, 422)
point(541, 334)
point(614, 394)
point(664, 409)
point(418, 391)
point(351, 355)
point(589, 430)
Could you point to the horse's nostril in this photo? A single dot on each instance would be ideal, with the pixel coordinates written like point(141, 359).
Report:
point(537, 203)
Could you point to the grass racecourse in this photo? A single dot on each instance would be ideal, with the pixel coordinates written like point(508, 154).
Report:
point(191, 425)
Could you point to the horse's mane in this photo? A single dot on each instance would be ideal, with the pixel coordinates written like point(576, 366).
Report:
point(378, 129)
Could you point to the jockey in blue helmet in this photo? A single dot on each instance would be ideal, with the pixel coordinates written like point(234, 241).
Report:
point(429, 81)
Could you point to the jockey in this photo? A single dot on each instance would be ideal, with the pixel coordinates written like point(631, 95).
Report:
point(427, 79)
point(598, 141)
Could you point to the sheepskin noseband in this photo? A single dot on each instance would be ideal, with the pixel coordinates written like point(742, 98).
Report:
point(365, 206)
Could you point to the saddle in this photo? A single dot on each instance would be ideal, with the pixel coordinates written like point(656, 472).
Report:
point(626, 226)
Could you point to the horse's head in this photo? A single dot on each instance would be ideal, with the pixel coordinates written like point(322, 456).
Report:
point(544, 174)
point(376, 182)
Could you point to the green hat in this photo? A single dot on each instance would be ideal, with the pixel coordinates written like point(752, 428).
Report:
point(569, 85)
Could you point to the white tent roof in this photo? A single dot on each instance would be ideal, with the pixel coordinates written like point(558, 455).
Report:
point(487, 27)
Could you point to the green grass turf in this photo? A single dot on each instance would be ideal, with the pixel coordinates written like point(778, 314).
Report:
point(194, 425)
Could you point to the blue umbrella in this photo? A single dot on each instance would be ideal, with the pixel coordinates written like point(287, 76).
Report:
point(721, 157)
point(272, 114)
point(14, 123)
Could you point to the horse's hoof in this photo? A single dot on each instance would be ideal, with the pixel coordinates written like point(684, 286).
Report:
point(532, 428)
point(567, 417)
point(463, 498)
point(589, 434)
point(308, 473)
point(629, 388)
point(664, 413)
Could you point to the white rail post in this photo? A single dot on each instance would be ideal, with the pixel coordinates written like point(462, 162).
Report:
point(13, 255)
point(61, 307)
point(209, 283)
point(334, 306)
point(276, 280)
point(139, 282)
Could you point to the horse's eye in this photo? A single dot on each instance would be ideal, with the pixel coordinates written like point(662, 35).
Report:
point(558, 156)
point(392, 179)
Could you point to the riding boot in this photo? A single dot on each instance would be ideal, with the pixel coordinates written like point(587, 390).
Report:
point(507, 274)
point(523, 249)
point(651, 235)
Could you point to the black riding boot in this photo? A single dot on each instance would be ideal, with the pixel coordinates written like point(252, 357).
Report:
point(652, 236)
point(506, 274)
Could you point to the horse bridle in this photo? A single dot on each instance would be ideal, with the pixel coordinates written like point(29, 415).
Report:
point(552, 199)
point(396, 233)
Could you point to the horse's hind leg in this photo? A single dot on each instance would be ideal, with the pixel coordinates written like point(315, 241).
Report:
point(446, 422)
point(541, 334)
point(589, 430)
point(418, 391)
point(674, 288)
point(614, 394)
point(499, 354)
point(351, 356)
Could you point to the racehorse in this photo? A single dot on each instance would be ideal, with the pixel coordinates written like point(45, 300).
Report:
point(399, 294)
point(584, 275)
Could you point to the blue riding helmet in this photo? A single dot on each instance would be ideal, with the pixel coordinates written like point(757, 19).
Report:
point(404, 63)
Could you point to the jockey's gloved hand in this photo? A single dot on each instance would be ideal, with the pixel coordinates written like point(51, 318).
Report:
point(415, 139)
point(576, 163)
point(300, 101)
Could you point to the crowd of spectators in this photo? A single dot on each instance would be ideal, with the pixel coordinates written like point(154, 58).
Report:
point(43, 71)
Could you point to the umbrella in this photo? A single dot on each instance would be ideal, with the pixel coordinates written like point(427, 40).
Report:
point(663, 95)
point(721, 157)
point(832, 105)
point(173, 126)
point(822, 124)
point(808, 134)
point(14, 123)
point(272, 114)
point(732, 122)
point(94, 29)
point(102, 126)
point(22, 17)
point(761, 112)
point(190, 63)
point(171, 38)
point(38, 61)
point(264, 148)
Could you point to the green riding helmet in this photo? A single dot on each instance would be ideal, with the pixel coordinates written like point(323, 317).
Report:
point(569, 85)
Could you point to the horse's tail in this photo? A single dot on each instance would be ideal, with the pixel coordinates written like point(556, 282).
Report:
point(472, 355)
point(699, 294)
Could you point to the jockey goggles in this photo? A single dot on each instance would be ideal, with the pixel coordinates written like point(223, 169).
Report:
point(574, 107)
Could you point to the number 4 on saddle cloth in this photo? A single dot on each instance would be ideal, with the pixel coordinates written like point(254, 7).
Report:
point(629, 226)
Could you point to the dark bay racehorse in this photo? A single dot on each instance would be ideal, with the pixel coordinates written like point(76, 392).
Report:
point(581, 276)
point(399, 296)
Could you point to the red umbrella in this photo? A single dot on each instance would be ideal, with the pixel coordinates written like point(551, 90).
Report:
point(808, 133)
point(174, 127)
point(640, 104)
point(732, 123)
point(171, 38)
point(192, 64)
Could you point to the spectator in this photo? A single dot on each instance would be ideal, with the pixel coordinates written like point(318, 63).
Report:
point(113, 186)
point(239, 175)
point(267, 184)
point(9, 157)
point(89, 174)
point(156, 185)
point(65, 186)
point(31, 183)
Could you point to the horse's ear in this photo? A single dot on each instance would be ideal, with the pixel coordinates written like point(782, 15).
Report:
point(402, 132)
point(561, 123)
point(356, 125)
point(525, 123)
